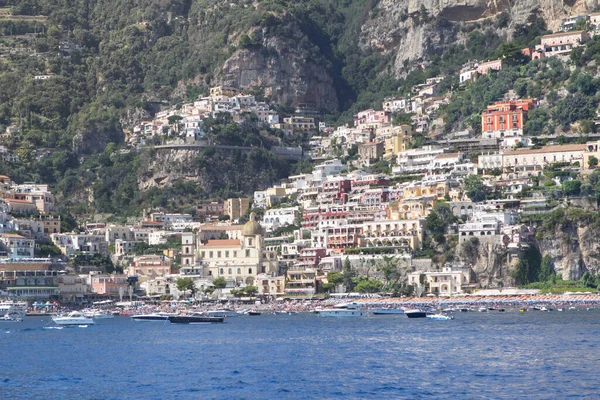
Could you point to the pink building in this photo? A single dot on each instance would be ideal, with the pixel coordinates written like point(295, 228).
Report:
point(560, 43)
point(372, 117)
point(107, 284)
point(485, 67)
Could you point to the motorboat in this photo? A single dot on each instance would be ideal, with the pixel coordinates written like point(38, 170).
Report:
point(222, 313)
point(483, 309)
point(161, 316)
point(387, 311)
point(254, 313)
point(559, 309)
point(342, 312)
point(98, 314)
point(522, 310)
point(72, 318)
point(11, 317)
point(195, 318)
point(9, 307)
point(439, 317)
point(415, 313)
point(543, 309)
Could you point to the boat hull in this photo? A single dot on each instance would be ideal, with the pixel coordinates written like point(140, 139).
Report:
point(73, 321)
point(416, 314)
point(386, 311)
point(342, 313)
point(150, 318)
point(184, 319)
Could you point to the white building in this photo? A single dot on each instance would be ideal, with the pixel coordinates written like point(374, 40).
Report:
point(278, 217)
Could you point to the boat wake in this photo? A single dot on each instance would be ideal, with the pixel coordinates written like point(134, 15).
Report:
point(54, 327)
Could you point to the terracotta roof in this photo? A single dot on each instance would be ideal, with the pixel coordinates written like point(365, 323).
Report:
point(13, 235)
point(226, 242)
point(547, 149)
point(563, 34)
point(220, 227)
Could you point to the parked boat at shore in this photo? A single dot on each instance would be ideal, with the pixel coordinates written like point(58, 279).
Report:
point(225, 312)
point(341, 312)
point(387, 311)
point(151, 317)
point(415, 313)
point(73, 318)
point(196, 318)
point(12, 308)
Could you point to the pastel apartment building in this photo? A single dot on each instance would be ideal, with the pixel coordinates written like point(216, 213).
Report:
point(503, 119)
point(561, 43)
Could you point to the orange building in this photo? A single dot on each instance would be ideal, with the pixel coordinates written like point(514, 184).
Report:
point(506, 118)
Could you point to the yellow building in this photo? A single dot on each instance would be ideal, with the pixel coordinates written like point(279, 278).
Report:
point(239, 260)
point(223, 91)
point(236, 208)
point(397, 142)
point(437, 190)
point(410, 208)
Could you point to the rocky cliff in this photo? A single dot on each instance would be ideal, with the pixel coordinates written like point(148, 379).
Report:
point(573, 250)
point(288, 72)
point(414, 30)
point(491, 264)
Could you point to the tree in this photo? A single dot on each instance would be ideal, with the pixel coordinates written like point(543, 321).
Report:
point(185, 284)
point(571, 188)
point(348, 275)
point(251, 290)
point(475, 188)
point(335, 277)
point(593, 162)
point(219, 282)
point(369, 286)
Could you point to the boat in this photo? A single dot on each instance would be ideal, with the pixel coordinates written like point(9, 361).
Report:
point(341, 312)
point(72, 318)
point(543, 309)
point(387, 311)
point(522, 310)
point(195, 318)
point(439, 317)
point(151, 317)
point(11, 317)
point(483, 309)
point(254, 313)
point(222, 313)
point(559, 309)
point(9, 307)
point(415, 313)
point(98, 314)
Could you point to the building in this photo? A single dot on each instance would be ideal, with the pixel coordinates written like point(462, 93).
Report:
point(31, 278)
point(71, 288)
point(16, 247)
point(561, 43)
point(125, 247)
point(270, 285)
point(404, 234)
point(370, 152)
point(278, 217)
point(504, 119)
point(485, 67)
point(446, 282)
point(236, 208)
point(530, 160)
point(416, 160)
point(219, 91)
point(397, 142)
point(301, 281)
point(149, 267)
point(237, 260)
point(112, 285)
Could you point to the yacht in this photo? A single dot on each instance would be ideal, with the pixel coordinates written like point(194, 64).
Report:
point(10, 307)
point(73, 318)
point(387, 311)
point(98, 314)
point(415, 313)
point(439, 317)
point(196, 318)
point(341, 312)
point(225, 312)
point(161, 316)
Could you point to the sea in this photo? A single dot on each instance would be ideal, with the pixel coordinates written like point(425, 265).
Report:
point(510, 355)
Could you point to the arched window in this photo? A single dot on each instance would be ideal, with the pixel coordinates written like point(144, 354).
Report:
point(239, 271)
point(249, 270)
point(229, 271)
point(221, 271)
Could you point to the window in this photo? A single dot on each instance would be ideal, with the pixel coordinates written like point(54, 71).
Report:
point(227, 254)
point(247, 253)
point(218, 254)
point(239, 271)
point(221, 271)
point(249, 242)
point(249, 270)
point(210, 254)
point(202, 254)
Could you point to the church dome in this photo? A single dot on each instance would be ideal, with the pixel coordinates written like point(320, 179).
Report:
point(252, 228)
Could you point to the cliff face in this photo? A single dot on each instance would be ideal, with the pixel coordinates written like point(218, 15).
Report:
point(212, 170)
point(288, 72)
point(573, 250)
point(489, 262)
point(402, 28)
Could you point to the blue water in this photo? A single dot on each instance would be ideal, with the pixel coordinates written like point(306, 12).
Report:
point(476, 356)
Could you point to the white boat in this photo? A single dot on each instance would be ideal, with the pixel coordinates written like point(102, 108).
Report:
point(222, 313)
point(341, 312)
point(12, 317)
point(483, 309)
point(387, 311)
point(161, 316)
point(10, 307)
point(98, 314)
point(73, 318)
point(439, 317)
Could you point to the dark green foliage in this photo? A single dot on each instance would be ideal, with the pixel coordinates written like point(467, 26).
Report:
point(475, 188)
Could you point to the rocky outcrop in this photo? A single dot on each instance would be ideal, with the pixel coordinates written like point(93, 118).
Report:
point(489, 261)
point(573, 250)
point(416, 29)
point(289, 73)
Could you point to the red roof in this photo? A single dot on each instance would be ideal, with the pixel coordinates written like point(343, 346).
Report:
point(226, 242)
